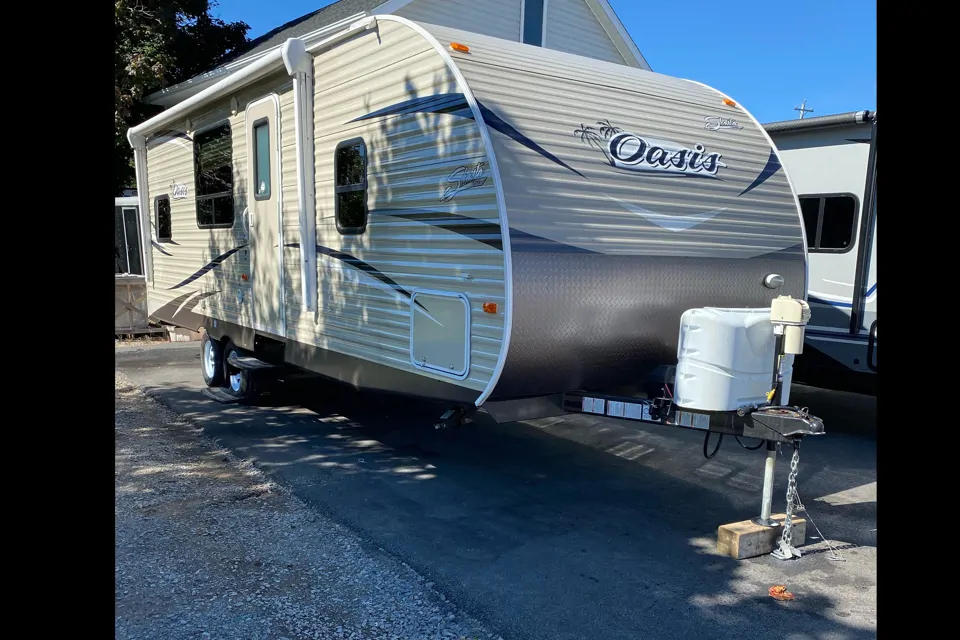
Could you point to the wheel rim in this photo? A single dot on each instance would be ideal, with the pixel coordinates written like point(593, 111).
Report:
point(209, 359)
point(235, 382)
point(235, 375)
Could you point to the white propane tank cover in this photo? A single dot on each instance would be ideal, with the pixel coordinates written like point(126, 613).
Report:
point(724, 359)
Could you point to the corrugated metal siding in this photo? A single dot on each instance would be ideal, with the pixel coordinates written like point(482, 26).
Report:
point(409, 160)
point(605, 259)
point(572, 27)
point(170, 160)
point(497, 18)
point(549, 96)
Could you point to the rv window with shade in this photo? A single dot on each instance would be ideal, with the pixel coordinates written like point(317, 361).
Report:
point(164, 224)
point(830, 222)
point(350, 169)
point(213, 157)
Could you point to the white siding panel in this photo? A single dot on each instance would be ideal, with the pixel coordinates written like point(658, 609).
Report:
point(496, 18)
point(572, 27)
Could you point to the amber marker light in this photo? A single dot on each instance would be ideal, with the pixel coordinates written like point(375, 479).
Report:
point(462, 48)
point(490, 307)
point(729, 102)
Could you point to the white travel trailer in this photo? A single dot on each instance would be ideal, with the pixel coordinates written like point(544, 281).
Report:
point(428, 211)
point(832, 161)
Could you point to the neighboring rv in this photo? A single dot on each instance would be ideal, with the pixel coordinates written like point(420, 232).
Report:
point(128, 254)
point(130, 286)
point(832, 162)
point(428, 211)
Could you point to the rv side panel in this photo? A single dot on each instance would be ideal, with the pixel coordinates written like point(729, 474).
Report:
point(432, 225)
point(198, 270)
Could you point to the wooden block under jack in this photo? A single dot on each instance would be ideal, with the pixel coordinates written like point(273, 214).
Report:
point(746, 539)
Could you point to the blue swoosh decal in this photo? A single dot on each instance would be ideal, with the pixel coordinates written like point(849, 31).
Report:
point(842, 305)
point(187, 299)
point(670, 223)
point(456, 104)
point(773, 165)
point(523, 242)
point(213, 264)
point(480, 230)
point(497, 123)
point(452, 103)
point(366, 268)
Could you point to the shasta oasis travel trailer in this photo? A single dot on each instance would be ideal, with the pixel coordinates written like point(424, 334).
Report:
point(428, 211)
point(832, 162)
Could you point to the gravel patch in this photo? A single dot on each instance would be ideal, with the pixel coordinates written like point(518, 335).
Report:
point(208, 547)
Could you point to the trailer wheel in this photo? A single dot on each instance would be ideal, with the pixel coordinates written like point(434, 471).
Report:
point(211, 361)
point(239, 382)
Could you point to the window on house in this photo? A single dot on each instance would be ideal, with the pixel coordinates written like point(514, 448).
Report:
point(350, 169)
point(830, 222)
point(164, 223)
point(533, 22)
point(261, 168)
point(213, 160)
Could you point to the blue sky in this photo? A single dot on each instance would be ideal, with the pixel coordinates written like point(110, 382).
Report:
point(768, 56)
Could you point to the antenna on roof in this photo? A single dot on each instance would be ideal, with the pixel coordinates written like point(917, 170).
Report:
point(803, 109)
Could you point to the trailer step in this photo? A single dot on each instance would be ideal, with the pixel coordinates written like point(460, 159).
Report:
point(250, 363)
point(220, 395)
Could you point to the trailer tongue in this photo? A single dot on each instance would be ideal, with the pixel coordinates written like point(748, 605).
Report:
point(732, 378)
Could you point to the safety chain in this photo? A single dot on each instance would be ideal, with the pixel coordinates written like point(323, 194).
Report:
point(785, 549)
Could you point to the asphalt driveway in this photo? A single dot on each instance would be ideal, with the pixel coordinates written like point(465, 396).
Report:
point(579, 527)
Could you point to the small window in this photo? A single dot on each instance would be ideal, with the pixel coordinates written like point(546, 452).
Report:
point(533, 22)
point(261, 169)
point(830, 222)
point(161, 206)
point(213, 159)
point(350, 169)
point(811, 214)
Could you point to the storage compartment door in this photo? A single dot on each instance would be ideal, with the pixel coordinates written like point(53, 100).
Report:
point(440, 332)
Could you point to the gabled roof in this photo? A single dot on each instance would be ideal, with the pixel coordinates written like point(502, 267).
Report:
point(340, 14)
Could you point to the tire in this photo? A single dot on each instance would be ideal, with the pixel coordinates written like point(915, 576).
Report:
point(239, 382)
point(211, 361)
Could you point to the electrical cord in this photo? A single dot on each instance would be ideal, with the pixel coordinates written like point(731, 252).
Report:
point(706, 439)
point(749, 448)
